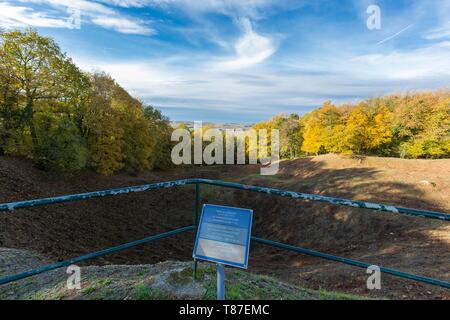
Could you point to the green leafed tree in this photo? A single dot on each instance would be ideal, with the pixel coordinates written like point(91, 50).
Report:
point(422, 125)
point(66, 120)
point(38, 81)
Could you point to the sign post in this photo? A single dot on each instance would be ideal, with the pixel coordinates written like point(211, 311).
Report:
point(220, 282)
point(223, 237)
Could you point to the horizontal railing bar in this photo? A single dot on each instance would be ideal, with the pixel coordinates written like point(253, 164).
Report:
point(92, 255)
point(89, 195)
point(352, 262)
point(284, 193)
point(332, 200)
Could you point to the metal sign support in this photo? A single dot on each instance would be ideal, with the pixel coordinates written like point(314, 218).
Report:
point(220, 282)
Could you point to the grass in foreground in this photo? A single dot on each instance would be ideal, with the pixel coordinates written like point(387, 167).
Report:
point(167, 280)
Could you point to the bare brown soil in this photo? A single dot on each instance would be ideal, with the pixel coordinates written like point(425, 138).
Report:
point(411, 244)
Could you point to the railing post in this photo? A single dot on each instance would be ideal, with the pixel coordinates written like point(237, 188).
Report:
point(197, 207)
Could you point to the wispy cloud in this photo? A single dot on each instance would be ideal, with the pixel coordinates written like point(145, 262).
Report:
point(264, 91)
point(251, 49)
point(422, 63)
point(439, 33)
point(123, 25)
point(251, 9)
point(55, 14)
point(19, 16)
point(221, 59)
point(125, 3)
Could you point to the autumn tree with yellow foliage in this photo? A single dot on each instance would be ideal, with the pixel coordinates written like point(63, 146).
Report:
point(320, 128)
point(411, 126)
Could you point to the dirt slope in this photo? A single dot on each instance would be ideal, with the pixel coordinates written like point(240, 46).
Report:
point(412, 244)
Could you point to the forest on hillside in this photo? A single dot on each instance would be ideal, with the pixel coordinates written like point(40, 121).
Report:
point(413, 125)
point(65, 120)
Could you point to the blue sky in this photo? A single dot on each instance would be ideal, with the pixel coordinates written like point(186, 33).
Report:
point(245, 61)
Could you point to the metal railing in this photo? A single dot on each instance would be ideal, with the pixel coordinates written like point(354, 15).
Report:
point(197, 182)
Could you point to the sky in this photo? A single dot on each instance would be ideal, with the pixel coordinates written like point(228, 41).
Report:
point(245, 61)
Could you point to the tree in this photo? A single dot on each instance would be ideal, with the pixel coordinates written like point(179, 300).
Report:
point(422, 125)
point(102, 127)
point(62, 148)
point(380, 130)
point(291, 134)
point(318, 131)
point(66, 120)
point(10, 114)
point(41, 73)
point(121, 132)
point(357, 130)
point(41, 91)
point(161, 131)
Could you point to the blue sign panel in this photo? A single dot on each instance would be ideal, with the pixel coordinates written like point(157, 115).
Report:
point(224, 235)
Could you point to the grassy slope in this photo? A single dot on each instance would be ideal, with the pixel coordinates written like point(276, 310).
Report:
point(166, 280)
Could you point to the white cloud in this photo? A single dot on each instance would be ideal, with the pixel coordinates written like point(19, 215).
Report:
point(188, 81)
point(87, 7)
point(122, 25)
point(341, 65)
point(251, 49)
point(425, 62)
point(439, 33)
point(139, 76)
point(237, 8)
point(18, 16)
point(54, 14)
point(124, 3)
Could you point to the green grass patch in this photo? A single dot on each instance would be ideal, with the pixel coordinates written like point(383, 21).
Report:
point(144, 292)
point(241, 285)
point(182, 277)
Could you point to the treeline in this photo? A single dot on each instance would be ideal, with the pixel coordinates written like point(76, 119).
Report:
point(66, 120)
point(413, 125)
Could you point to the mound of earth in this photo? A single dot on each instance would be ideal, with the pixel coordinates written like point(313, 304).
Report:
point(411, 244)
point(165, 280)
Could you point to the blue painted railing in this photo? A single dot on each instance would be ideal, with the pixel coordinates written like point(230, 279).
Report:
point(197, 182)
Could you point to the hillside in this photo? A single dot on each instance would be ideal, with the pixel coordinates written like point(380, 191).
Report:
point(412, 244)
